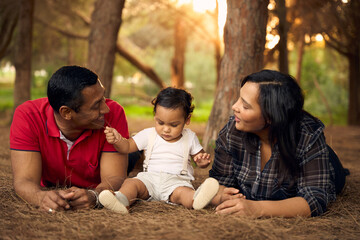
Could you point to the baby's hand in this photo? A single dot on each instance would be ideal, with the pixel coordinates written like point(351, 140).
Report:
point(112, 136)
point(202, 159)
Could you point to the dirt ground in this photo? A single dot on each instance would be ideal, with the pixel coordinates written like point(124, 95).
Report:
point(154, 220)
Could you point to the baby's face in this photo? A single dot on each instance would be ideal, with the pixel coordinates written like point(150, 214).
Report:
point(169, 123)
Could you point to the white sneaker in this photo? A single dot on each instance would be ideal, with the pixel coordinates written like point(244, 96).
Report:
point(205, 193)
point(109, 201)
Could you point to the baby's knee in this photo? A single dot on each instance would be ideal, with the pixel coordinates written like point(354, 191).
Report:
point(183, 196)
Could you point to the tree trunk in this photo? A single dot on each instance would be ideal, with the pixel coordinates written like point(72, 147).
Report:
point(300, 58)
point(354, 88)
point(283, 30)
point(105, 25)
point(217, 44)
point(244, 38)
point(147, 70)
point(178, 61)
point(22, 56)
point(9, 16)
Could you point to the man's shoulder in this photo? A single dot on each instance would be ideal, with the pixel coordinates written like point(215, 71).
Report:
point(37, 103)
point(33, 106)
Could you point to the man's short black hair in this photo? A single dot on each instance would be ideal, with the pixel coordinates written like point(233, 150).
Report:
point(65, 86)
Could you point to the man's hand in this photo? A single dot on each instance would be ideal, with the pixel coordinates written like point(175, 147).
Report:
point(55, 200)
point(81, 198)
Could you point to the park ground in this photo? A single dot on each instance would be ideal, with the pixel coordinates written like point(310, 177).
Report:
point(155, 220)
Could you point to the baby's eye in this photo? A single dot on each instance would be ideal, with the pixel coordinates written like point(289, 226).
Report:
point(174, 125)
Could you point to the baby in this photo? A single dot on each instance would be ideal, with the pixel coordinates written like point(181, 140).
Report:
point(167, 171)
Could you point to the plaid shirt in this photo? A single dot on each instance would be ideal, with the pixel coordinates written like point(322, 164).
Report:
point(234, 166)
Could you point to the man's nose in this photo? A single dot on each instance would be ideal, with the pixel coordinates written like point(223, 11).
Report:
point(104, 108)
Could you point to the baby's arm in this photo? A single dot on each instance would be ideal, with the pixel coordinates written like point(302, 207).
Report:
point(122, 145)
point(202, 159)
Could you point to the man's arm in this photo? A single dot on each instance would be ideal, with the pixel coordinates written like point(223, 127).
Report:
point(26, 166)
point(113, 172)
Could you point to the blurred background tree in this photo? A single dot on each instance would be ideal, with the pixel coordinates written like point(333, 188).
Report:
point(158, 43)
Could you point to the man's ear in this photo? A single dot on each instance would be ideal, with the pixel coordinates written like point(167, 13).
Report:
point(65, 112)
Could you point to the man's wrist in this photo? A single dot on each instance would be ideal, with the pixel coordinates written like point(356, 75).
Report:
point(96, 195)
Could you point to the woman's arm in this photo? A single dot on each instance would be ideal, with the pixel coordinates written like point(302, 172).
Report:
point(291, 207)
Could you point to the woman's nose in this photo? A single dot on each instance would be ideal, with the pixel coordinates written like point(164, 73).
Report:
point(236, 106)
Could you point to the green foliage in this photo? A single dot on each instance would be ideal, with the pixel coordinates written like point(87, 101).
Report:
point(329, 69)
point(139, 111)
point(200, 114)
point(147, 32)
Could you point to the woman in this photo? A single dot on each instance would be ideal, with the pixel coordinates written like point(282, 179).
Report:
point(274, 153)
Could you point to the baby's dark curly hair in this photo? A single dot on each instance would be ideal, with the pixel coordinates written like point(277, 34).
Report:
point(173, 98)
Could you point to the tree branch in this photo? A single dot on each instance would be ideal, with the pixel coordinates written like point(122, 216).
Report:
point(61, 31)
point(148, 71)
point(335, 46)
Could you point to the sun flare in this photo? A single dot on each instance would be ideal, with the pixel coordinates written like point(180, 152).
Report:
point(201, 6)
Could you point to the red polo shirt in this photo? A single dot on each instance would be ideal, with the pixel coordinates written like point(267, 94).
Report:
point(34, 129)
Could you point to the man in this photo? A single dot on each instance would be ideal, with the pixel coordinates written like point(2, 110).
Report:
point(59, 142)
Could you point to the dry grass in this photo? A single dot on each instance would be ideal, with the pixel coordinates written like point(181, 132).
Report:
point(154, 220)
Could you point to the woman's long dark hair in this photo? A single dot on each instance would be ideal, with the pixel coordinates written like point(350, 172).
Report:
point(281, 101)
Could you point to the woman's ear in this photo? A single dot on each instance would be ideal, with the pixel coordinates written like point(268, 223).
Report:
point(65, 112)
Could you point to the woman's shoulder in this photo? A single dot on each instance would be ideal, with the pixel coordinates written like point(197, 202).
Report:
point(311, 124)
point(311, 134)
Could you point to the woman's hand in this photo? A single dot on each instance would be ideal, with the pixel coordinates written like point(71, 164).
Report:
point(230, 193)
point(239, 206)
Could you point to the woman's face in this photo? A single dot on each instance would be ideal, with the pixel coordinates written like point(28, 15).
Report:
point(247, 110)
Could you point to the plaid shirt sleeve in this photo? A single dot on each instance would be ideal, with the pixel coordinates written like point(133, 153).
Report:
point(222, 166)
point(314, 183)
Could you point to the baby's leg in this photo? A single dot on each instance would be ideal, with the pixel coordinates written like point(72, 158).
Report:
point(119, 201)
point(183, 196)
point(133, 188)
point(205, 193)
point(197, 199)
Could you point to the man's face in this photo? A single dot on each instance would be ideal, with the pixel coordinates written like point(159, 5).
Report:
point(93, 109)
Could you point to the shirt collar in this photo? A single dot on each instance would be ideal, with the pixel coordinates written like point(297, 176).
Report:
point(51, 127)
point(53, 130)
